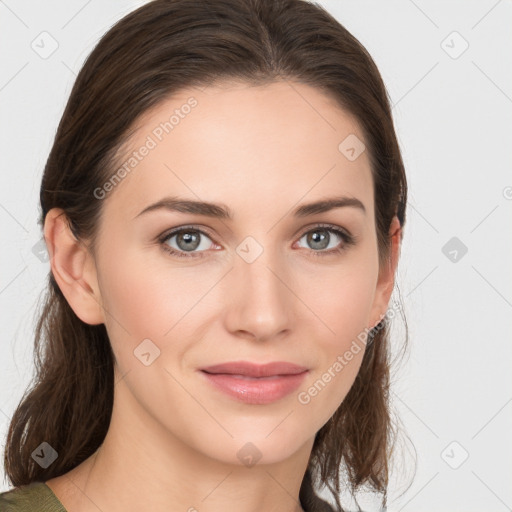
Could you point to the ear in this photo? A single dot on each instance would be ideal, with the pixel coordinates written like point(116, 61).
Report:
point(386, 280)
point(73, 268)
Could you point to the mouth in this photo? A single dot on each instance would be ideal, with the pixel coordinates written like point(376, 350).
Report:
point(255, 384)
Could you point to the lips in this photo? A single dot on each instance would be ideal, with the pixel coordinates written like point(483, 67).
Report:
point(255, 384)
point(247, 369)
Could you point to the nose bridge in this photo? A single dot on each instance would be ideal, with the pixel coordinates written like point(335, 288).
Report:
point(259, 268)
point(261, 300)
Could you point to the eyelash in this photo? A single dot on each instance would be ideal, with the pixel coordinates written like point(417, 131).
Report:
point(348, 240)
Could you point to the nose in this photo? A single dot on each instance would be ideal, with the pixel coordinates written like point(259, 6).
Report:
point(261, 304)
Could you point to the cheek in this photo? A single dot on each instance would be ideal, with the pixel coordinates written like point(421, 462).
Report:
point(153, 299)
point(134, 300)
point(148, 296)
point(342, 298)
point(343, 309)
point(149, 300)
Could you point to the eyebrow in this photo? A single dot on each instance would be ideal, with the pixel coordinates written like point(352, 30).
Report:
point(221, 211)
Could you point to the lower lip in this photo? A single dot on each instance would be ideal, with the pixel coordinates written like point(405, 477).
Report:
point(260, 391)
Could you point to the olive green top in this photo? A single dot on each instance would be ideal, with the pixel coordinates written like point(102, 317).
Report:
point(38, 497)
point(35, 497)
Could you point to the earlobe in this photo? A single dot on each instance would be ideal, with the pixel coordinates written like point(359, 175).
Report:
point(73, 268)
point(386, 279)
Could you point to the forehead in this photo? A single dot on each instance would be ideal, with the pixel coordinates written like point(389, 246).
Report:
point(243, 145)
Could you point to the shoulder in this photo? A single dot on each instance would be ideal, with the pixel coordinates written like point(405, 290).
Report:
point(34, 497)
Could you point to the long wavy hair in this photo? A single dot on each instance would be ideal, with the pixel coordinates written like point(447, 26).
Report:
point(154, 51)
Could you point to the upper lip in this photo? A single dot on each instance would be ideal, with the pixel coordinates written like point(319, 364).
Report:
point(256, 370)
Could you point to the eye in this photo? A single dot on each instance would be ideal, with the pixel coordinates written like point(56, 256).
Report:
point(188, 239)
point(320, 238)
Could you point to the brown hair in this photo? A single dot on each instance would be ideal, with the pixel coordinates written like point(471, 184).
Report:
point(156, 50)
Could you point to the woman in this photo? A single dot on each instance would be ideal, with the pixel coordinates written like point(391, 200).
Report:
point(247, 369)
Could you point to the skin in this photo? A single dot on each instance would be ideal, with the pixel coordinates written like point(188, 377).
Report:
point(173, 439)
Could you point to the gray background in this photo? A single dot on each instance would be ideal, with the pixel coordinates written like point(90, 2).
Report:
point(452, 110)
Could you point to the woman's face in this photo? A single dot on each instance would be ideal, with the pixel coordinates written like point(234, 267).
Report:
point(265, 285)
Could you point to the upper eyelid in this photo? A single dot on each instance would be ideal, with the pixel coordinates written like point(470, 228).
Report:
point(167, 234)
